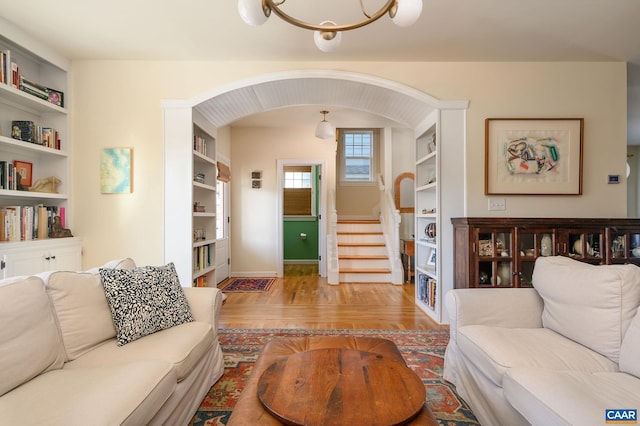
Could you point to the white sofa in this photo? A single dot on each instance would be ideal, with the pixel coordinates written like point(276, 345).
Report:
point(560, 353)
point(61, 364)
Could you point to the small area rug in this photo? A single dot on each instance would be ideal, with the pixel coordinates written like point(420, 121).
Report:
point(247, 285)
point(423, 351)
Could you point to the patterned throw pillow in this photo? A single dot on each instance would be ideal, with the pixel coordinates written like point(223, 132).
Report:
point(144, 300)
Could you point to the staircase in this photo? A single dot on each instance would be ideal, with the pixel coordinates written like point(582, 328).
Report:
point(362, 253)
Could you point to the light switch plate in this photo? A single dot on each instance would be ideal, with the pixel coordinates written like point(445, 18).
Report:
point(497, 204)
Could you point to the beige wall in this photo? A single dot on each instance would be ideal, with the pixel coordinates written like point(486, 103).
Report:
point(117, 103)
point(255, 211)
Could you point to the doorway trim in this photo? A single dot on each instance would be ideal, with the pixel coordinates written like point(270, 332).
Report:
point(322, 208)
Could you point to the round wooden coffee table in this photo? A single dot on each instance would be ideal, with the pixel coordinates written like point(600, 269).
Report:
point(340, 386)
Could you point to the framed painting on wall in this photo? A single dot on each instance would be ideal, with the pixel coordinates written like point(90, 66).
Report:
point(531, 156)
point(115, 170)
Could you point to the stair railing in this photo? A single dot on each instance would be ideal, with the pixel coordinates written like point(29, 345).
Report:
point(390, 219)
point(333, 269)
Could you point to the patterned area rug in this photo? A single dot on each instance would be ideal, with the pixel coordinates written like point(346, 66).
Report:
point(248, 285)
point(423, 351)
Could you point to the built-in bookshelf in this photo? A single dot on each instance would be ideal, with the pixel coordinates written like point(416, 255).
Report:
point(439, 196)
point(34, 153)
point(190, 195)
point(204, 208)
point(427, 292)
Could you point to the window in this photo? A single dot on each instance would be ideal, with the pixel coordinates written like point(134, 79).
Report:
point(357, 156)
point(299, 190)
point(297, 179)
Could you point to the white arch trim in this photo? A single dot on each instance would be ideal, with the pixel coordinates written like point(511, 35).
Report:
point(427, 101)
point(330, 74)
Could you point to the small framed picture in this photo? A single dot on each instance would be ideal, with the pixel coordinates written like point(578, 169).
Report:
point(432, 257)
point(25, 170)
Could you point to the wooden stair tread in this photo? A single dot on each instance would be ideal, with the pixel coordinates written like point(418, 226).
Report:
point(360, 233)
point(365, 221)
point(365, 271)
point(361, 245)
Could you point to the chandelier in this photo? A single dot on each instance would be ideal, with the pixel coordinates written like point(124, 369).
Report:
point(328, 35)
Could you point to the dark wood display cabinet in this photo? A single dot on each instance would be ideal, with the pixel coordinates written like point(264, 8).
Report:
point(501, 252)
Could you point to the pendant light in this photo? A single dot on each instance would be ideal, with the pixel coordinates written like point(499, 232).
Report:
point(324, 129)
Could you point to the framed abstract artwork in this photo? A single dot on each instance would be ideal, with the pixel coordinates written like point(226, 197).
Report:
point(531, 156)
point(115, 170)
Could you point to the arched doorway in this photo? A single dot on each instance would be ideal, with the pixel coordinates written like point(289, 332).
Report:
point(391, 100)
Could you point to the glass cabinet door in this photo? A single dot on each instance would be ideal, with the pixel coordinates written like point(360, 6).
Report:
point(585, 245)
point(623, 246)
point(634, 244)
point(533, 243)
point(494, 253)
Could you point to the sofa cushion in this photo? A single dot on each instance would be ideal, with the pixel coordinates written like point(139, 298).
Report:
point(182, 346)
point(592, 305)
point(126, 394)
point(30, 343)
point(82, 310)
point(546, 397)
point(630, 350)
point(144, 300)
point(81, 307)
point(494, 350)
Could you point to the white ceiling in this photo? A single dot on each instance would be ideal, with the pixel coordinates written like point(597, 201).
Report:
point(448, 30)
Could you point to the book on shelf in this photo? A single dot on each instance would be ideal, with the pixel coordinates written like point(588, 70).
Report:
point(202, 257)
point(28, 131)
point(11, 75)
point(4, 58)
point(34, 92)
point(15, 75)
point(199, 177)
point(200, 144)
point(7, 175)
point(24, 223)
point(50, 95)
point(427, 290)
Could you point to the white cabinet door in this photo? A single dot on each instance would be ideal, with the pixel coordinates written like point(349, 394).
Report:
point(33, 257)
point(24, 263)
point(64, 258)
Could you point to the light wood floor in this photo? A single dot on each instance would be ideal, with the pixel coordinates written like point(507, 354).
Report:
point(302, 299)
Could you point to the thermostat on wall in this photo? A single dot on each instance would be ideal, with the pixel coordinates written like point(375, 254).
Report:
point(613, 179)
